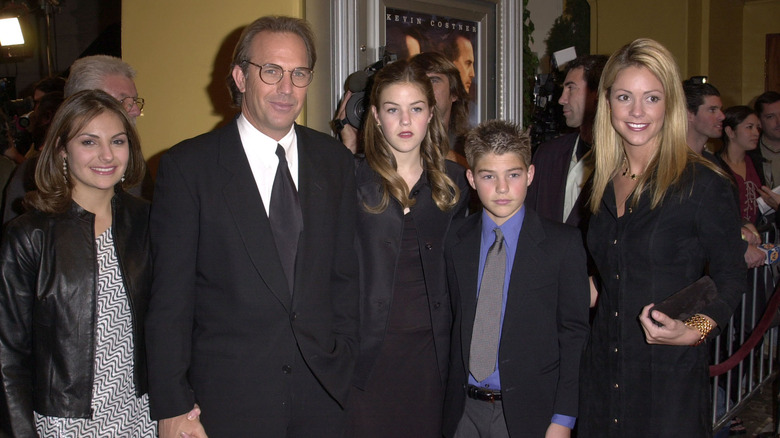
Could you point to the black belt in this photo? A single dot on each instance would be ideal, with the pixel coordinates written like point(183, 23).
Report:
point(483, 394)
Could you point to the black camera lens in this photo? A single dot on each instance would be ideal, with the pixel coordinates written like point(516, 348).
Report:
point(357, 105)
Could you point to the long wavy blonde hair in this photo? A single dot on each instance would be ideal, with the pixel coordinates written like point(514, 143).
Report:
point(379, 153)
point(669, 160)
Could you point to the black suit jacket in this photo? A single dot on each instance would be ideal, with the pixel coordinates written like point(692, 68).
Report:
point(223, 328)
point(546, 193)
point(545, 323)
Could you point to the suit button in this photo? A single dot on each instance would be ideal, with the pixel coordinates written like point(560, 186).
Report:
point(436, 305)
point(428, 246)
point(287, 369)
point(293, 316)
point(416, 192)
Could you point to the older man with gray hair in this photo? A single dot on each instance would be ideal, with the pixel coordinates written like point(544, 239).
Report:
point(109, 74)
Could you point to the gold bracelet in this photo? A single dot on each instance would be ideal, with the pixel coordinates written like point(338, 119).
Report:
point(700, 323)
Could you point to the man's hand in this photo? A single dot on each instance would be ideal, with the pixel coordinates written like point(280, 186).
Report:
point(557, 431)
point(184, 426)
point(754, 257)
point(771, 198)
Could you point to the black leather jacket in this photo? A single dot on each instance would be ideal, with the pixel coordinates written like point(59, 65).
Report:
point(47, 307)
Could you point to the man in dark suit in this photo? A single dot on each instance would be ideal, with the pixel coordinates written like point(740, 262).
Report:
point(254, 308)
point(557, 192)
point(519, 376)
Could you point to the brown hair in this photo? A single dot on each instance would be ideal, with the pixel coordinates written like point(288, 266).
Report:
point(269, 23)
point(497, 137)
point(766, 98)
point(55, 190)
point(379, 153)
point(435, 62)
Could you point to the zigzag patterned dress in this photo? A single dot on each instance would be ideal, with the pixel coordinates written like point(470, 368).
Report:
point(117, 412)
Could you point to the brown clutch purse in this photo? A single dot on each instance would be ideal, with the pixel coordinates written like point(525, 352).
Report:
point(688, 301)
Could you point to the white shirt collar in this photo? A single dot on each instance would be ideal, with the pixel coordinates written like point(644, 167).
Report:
point(260, 151)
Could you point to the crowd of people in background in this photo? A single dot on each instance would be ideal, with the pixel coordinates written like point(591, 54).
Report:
point(420, 277)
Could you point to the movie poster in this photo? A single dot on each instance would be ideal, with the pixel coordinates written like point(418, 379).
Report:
point(408, 33)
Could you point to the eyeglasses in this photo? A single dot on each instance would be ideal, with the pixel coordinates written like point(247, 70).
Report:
point(128, 103)
point(271, 74)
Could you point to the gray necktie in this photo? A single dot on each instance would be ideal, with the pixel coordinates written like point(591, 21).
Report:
point(487, 321)
point(286, 218)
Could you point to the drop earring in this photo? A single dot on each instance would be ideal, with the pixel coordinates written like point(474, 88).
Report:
point(65, 168)
point(122, 179)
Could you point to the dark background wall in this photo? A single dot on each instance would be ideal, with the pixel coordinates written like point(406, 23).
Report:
point(81, 27)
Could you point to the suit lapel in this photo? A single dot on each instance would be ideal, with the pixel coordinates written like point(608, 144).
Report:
point(578, 212)
point(246, 207)
point(311, 193)
point(527, 255)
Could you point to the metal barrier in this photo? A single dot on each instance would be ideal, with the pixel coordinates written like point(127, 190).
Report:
point(745, 354)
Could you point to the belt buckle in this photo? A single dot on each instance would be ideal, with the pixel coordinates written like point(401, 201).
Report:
point(482, 394)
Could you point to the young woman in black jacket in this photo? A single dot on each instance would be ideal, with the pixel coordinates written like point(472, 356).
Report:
point(75, 282)
point(408, 198)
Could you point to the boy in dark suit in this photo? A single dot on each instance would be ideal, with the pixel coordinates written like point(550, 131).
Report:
point(520, 298)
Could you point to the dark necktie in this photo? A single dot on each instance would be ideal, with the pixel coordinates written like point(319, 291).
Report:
point(286, 218)
point(487, 320)
point(582, 149)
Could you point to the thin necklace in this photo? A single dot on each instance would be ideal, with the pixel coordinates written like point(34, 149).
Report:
point(633, 176)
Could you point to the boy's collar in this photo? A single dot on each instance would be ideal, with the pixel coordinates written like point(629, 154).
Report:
point(510, 228)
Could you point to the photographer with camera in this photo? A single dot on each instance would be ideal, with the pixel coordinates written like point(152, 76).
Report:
point(17, 115)
point(22, 136)
point(556, 193)
point(23, 178)
point(351, 112)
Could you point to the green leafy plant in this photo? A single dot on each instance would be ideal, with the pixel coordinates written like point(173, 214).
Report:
point(530, 63)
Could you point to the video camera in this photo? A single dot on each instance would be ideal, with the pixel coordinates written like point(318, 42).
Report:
point(548, 117)
point(360, 83)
